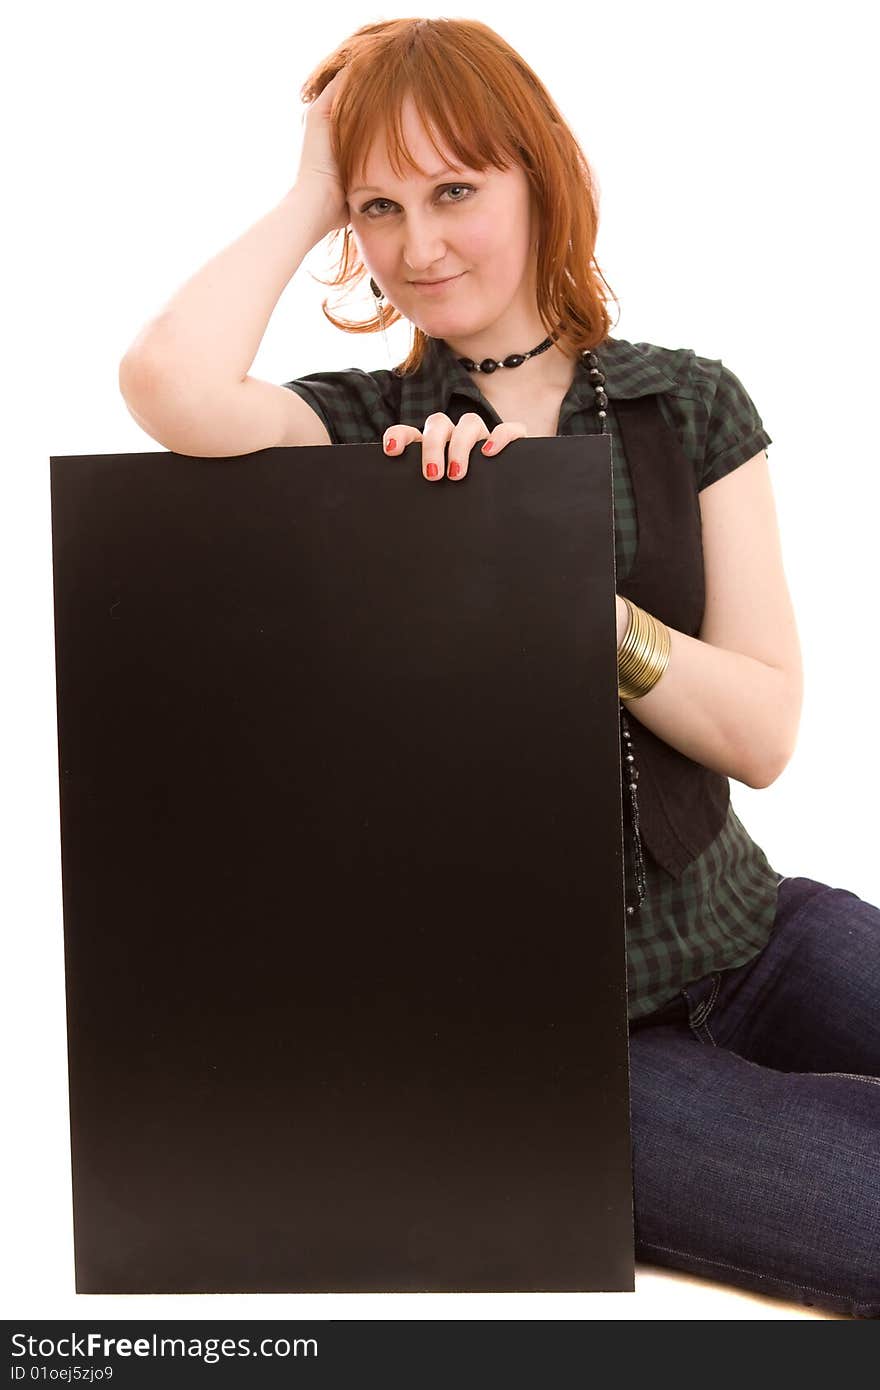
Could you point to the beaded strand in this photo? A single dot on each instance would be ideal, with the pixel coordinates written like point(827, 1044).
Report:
point(628, 762)
point(630, 771)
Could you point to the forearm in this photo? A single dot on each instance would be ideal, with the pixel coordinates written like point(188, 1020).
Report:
point(720, 708)
point(211, 329)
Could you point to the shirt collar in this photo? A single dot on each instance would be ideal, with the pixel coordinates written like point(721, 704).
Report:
point(628, 368)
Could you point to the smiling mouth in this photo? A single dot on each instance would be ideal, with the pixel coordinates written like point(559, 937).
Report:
point(431, 284)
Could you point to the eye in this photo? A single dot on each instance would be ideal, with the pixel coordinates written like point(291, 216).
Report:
point(366, 210)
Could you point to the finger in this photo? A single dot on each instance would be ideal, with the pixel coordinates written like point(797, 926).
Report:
point(470, 428)
point(397, 437)
point(503, 434)
point(438, 428)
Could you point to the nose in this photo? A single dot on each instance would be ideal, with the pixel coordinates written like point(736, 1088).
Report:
point(424, 248)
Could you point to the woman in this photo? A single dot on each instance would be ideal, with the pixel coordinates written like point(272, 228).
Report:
point(753, 997)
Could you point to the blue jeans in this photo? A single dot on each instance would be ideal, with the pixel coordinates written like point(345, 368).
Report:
point(756, 1112)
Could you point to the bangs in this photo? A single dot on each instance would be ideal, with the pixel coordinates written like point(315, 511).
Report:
point(371, 117)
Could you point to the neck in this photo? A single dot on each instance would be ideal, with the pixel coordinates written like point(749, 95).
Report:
point(551, 371)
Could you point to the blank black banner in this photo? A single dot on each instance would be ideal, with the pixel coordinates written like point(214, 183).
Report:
point(343, 871)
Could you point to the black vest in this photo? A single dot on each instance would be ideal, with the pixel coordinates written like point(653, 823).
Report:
point(682, 805)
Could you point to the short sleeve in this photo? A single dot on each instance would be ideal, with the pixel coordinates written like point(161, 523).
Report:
point(355, 406)
point(735, 431)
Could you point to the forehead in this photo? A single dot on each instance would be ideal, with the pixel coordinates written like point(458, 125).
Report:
point(427, 148)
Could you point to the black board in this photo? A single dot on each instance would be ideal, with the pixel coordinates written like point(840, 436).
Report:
point(342, 871)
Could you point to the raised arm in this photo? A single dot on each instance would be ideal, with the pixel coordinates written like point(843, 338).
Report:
point(185, 377)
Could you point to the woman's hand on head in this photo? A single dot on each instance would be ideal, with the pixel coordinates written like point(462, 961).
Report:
point(318, 169)
point(439, 431)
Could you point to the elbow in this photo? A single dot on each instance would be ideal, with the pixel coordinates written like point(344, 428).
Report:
point(766, 778)
point(784, 741)
point(770, 771)
point(134, 379)
point(136, 372)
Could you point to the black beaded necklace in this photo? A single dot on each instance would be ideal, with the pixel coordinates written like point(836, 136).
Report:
point(516, 359)
point(628, 762)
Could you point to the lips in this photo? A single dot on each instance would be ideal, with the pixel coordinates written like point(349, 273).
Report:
point(436, 286)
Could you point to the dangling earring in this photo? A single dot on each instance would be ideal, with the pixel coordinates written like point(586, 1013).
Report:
point(379, 296)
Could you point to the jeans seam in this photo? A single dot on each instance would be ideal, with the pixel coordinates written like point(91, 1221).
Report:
point(744, 1269)
point(847, 1076)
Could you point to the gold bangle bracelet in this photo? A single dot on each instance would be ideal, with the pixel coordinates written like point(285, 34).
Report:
point(643, 654)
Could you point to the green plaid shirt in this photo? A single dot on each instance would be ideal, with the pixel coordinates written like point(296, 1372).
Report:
point(721, 911)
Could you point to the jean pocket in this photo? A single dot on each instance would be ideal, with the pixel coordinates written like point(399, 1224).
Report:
point(700, 998)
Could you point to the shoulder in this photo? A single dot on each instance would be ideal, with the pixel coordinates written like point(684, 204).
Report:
point(356, 406)
point(636, 369)
point(701, 396)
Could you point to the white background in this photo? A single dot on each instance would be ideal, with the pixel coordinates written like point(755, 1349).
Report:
point(732, 148)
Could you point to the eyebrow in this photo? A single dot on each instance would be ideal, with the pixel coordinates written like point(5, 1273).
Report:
point(371, 188)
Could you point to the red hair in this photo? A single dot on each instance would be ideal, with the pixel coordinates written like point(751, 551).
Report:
point(489, 107)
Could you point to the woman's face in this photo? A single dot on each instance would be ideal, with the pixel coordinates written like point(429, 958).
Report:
point(475, 227)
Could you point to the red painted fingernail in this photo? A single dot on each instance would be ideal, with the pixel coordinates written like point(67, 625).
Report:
point(488, 446)
point(432, 470)
point(392, 444)
point(454, 470)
